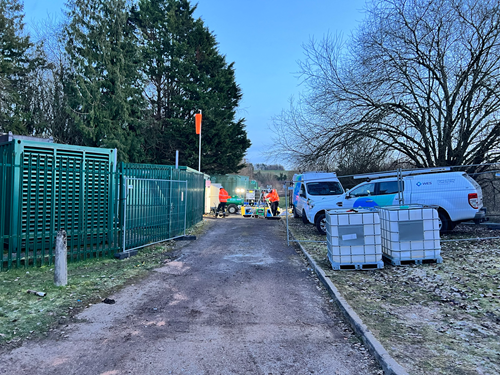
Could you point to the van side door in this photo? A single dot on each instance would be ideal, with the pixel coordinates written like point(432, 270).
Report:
point(360, 193)
point(302, 199)
point(388, 194)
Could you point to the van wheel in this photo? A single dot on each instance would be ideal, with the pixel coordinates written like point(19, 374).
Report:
point(321, 224)
point(295, 213)
point(232, 209)
point(445, 224)
point(304, 217)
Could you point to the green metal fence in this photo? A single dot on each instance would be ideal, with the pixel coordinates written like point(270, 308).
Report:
point(154, 211)
point(46, 187)
point(195, 198)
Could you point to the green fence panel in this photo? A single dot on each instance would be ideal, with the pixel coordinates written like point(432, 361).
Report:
point(154, 211)
point(195, 184)
point(47, 187)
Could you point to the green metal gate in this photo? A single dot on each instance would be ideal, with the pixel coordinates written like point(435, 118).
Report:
point(155, 210)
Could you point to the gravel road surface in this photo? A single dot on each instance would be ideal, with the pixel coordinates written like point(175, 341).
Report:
point(236, 301)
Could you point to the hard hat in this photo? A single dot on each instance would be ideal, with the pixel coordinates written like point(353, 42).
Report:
point(222, 187)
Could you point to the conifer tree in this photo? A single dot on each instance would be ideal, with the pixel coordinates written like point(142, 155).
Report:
point(105, 89)
point(186, 73)
point(17, 60)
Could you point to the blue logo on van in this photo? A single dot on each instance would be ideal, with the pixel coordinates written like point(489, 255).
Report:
point(425, 183)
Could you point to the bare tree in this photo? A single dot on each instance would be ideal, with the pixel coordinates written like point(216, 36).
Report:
point(420, 78)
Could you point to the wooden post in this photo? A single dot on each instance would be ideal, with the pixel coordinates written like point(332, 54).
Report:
point(61, 262)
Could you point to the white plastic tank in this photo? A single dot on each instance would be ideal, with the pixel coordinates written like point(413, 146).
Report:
point(410, 233)
point(354, 238)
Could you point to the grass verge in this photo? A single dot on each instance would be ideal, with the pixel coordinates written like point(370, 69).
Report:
point(27, 316)
point(432, 318)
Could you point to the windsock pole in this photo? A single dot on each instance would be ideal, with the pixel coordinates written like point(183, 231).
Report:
point(198, 131)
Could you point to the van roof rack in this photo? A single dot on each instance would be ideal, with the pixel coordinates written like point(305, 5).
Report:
point(313, 172)
point(372, 176)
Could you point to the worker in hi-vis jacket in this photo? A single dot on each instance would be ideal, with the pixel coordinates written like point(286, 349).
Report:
point(223, 197)
point(274, 199)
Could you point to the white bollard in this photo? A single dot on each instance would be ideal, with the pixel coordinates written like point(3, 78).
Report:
point(61, 261)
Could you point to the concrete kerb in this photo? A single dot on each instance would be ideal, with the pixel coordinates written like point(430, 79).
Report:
point(388, 364)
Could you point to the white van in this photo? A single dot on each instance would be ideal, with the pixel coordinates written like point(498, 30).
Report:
point(313, 190)
point(455, 195)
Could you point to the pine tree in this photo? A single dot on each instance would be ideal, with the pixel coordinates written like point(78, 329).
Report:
point(17, 61)
point(186, 73)
point(105, 93)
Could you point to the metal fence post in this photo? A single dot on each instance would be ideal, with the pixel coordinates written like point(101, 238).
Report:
point(286, 208)
point(61, 259)
point(125, 194)
point(185, 209)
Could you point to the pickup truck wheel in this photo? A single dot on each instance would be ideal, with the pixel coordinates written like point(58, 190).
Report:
point(232, 209)
point(295, 213)
point(321, 224)
point(445, 224)
point(304, 217)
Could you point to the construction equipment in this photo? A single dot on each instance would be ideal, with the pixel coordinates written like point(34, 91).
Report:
point(233, 204)
point(258, 207)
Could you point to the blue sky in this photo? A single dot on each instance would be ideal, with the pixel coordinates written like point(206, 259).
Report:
point(264, 39)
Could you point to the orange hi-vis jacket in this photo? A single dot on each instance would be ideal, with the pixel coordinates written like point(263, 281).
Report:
point(273, 196)
point(223, 195)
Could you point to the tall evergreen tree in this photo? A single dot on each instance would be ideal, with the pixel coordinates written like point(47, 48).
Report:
point(186, 73)
point(105, 93)
point(18, 59)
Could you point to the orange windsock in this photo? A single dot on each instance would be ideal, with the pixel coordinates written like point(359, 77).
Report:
point(197, 118)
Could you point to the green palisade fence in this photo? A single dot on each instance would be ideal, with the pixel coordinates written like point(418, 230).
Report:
point(158, 197)
point(46, 187)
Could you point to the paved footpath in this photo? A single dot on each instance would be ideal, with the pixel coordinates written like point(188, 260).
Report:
point(237, 301)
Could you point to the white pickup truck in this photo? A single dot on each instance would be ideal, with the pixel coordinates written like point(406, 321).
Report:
point(455, 195)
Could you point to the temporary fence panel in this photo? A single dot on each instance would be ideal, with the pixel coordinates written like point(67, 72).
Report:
point(154, 211)
point(47, 187)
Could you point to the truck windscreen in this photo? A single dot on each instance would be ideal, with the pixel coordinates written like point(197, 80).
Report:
point(324, 188)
